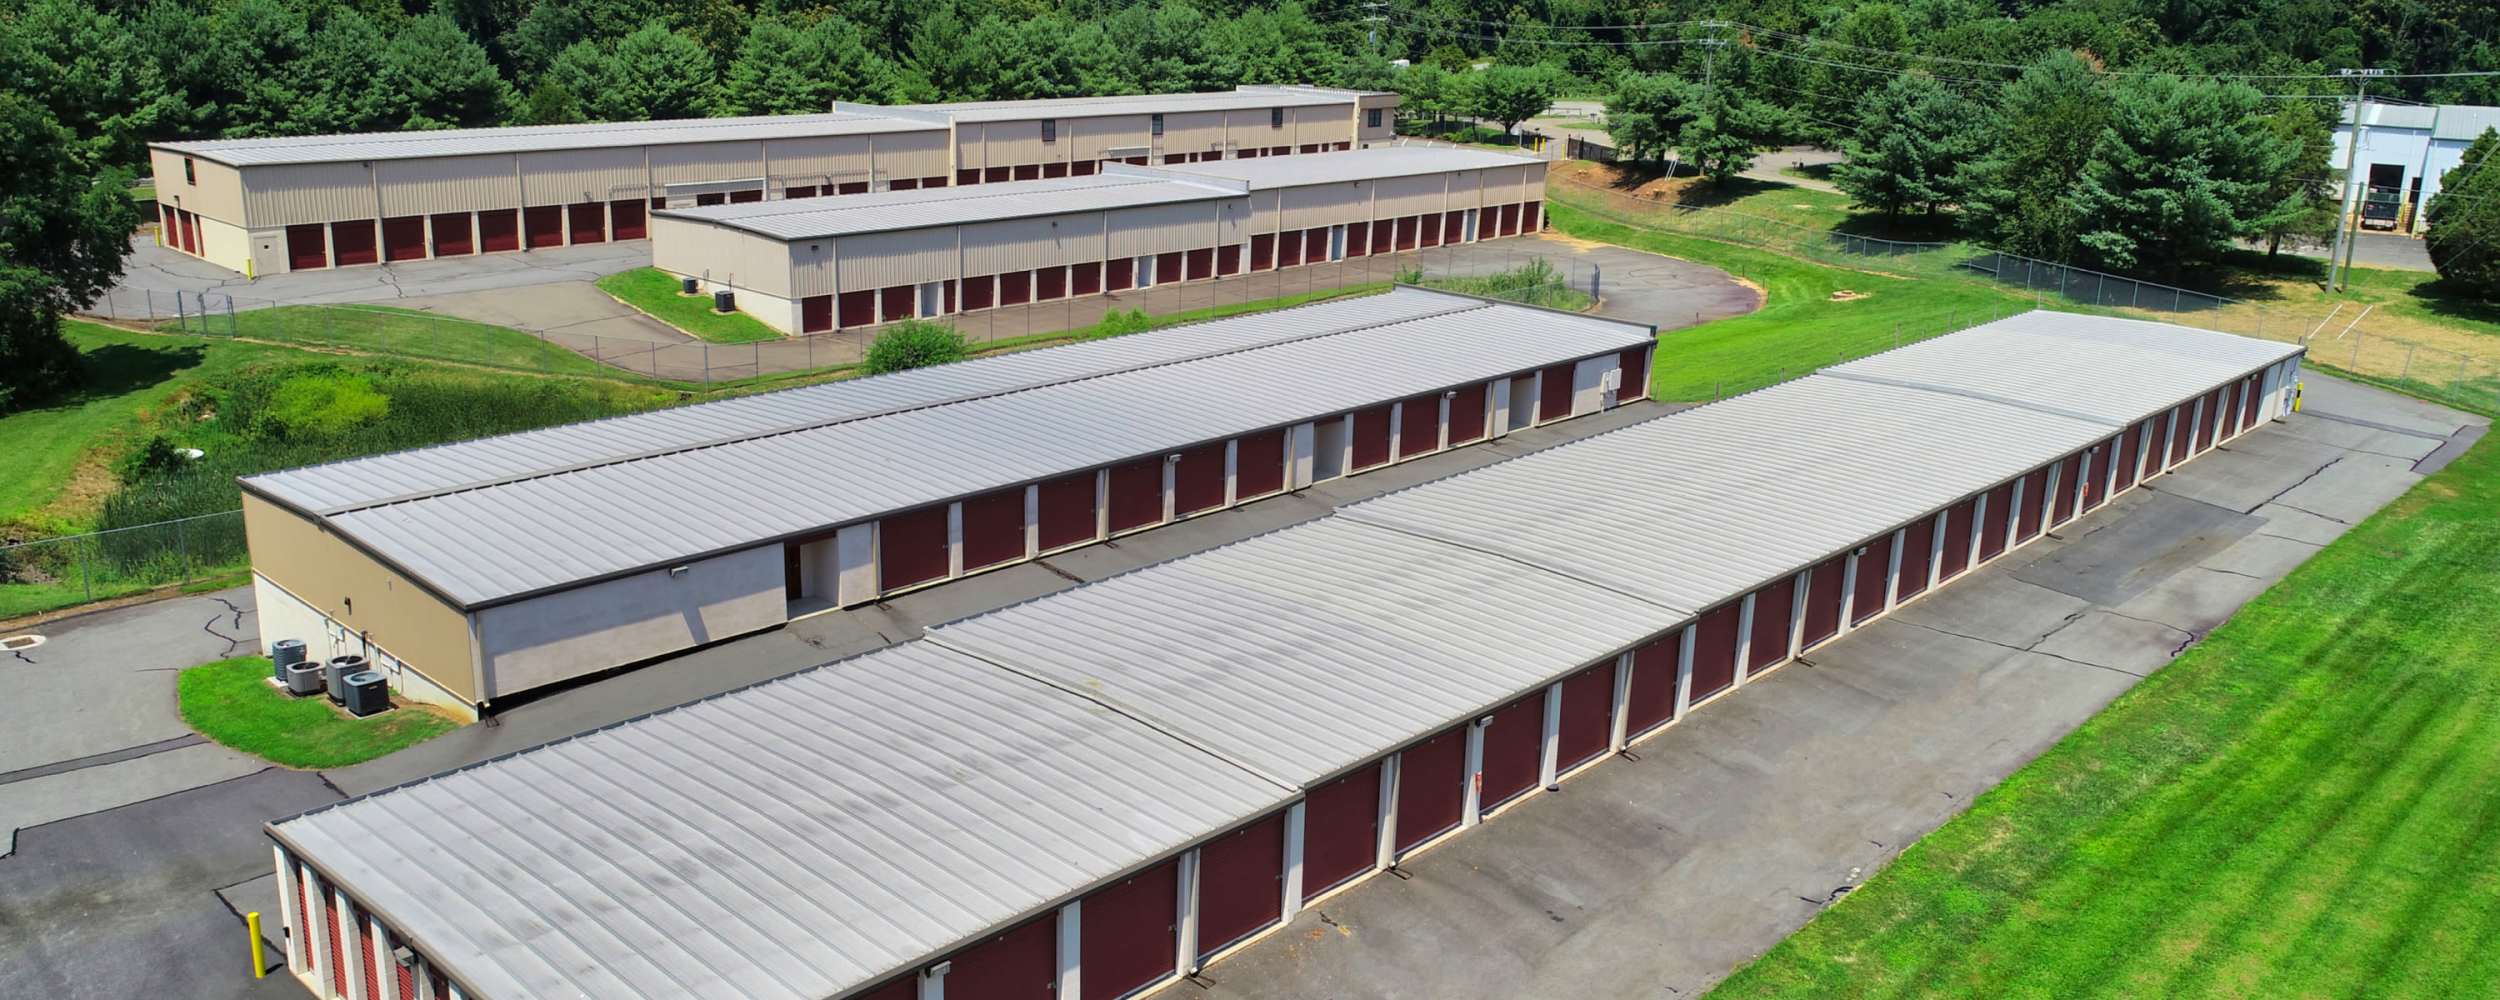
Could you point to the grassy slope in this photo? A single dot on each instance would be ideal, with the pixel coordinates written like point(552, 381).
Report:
point(232, 702)
point(655, 291)
point(416, 334)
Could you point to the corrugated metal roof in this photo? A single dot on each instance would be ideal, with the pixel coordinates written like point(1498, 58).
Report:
point(2031, 358)
point(1310, 650)
point(483, 545)
point(888, 211)
point(2384, 115)
point(357, 482)
point(1264, 172)
point(2464, 122)
point(1131, 104)
point(790, 840)
point(535, 138)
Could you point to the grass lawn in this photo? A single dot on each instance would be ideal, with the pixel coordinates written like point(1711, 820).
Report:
point(232, 702)
point(2300, 806)
point(655, 291)
point(144, 194)
point(416, 334)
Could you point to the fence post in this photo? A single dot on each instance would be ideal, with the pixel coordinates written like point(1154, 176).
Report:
point(707, 362)
point(2174, 299)
point(182, 548)
point(86, 580)
point(2355, 363)
point(2408, 368)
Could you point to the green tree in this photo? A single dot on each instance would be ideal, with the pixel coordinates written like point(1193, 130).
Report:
point(2300, 198)
point(1510, 94)
point(1911, 137)
point(342, 68)
point(1725, 129)
point(64, 231)
point(438, 77)
point(1646, 114)
point(650, 74)
point(93, 72)
point(1426, 91)
point(1835, 85)
point(941, 63)
point(2464, 236)
point(2016, 195)
point(781, 69)
point(2181, 171)
point(552, 26)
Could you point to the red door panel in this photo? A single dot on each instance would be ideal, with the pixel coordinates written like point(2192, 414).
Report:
point(1137, 493)
point(1430, 224)
point(994, 528)
point(1357, 239)
point(352, 242)
point(816, 314)
point(1588, 715)
point(1635, 365)
point(1259, 464)
point(1514, 750)
point(1649, 702)
point(1371, 436)
point(2213, 419)
point(897, 302)
point(1918, 548)
point(2069, 480)
point(1021, 964)
point(2001, 518)
point(452, 237)
point(1467, 415)
point(1340, 831)
point(1067, 510)
point(1050, 283)
point(911, 547)
point(1128, 932)
point(1198, 480)
point(307, 247)
point(542, 226)
point(1432, 790)
point(1119, 275)
point(403, 237)
point(2096, 473)
point(1419, 424)
point(856, 308)
point(2184, 419)
point(2250, 399)
point(1868, 601)
point(1086, 278)
point(499, 230)
point(627, 219)
point(978, 292)
point(587, 222)
point(1823, 595)
point(1262, 251)
point(338, 945)
point(1531, 216)
point(1241, 883)
point(753, 195)
point(1167, 267)
point(1289, 248)
point(1453, 227)
point(1201, 263)
point(1714, 650)
point(1957, 553)
point(1228, 259)
point(1774, 610)
point(191, 233)
point(2032, 504)
point(1015, 288)
point(1315, 244)
point(1553, 393)
point(2130, 454)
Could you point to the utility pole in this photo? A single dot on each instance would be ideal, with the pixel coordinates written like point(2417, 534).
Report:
point(2348, 200)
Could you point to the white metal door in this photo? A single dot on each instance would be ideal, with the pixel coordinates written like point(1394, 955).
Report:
point(932, 298)
point(1336, 243)
point(1471, 226)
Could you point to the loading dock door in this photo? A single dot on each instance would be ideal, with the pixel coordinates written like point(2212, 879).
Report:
point(1588, 710)
point(1714, 650)
point(307, 248)
point(1067, 510)
point(2130, 453)
point(625, 219)
point(1340, 831)
point(1198, 481)
point(352, 242)
point(1419, 425)
point(2184, 419)
point(1241, 889)
point(542, 226)
point(1554, 392)
point(1468, 415)
point(1432, 787)
point(403, 237)
point(587, 222)
point(2000, 517)
point(452, 237)
point(1774, 610)
point(1259, 464)
point(1918, 544)
point(2069, 480)
point(1137, 493)
point(911, 548)
point(994, 528)
point(1128, 931)
point(1823, 596)
point(1021, 964)
point(1650, 700)
point(1371, 436)
point(1514, 750)
point(1956, 555)
point(498, 230)
point(1876, 561)
point(2035, 487)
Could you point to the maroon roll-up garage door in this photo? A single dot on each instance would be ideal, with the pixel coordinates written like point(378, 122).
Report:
point(1259, 464)
point(1198, 481)
point(1957, 524)
point(1241, 884)
point(979, 292)
point(1429, 225)
point(2183, 438)
point(994, 528)
point(2249, 400)
point(626, 219)
point(1021, 964)
point(1532, 216)
point(2000, 518)
point(1635, 365)
point(307, 247)
point(816, 314)
point(2213, 417)
point(2033, 503)
point(1419, 424)
point(1067, 514)
point(1774, 611)
point(1015, 288)
point(1588, 715)
point(1086, 278)
point(1050, 283)
point(1453, 227)
point(1340, 830)
point(2130, 454)
point(896, 302)
point(1137, 493)
point(1714, 650)
point(1289, 248)
point(1201, 263)
point(1167, 267)
point(1432, 787)
point(1262, 251)
point(1649, 701)
point(1873, 566)
point(1823, 595)
point(2069, 481)
point(1553, 392)
point(2096, 472)
point(499, 230)
point(191, 232)
point(1510, 220)
point(1228, 260)
point(857, 308)
point(1371, 436)
point(452, 236)
point(1358, 242)
point(1315, 244)
point(352, 242)
point(542, 226)
point(1128, 932)
point(2156, 446)
point(911, 548)
point(339, 945)
point(1467, 414)
point(403, 237)
point(587, 222)
point(1514, 750)
point(1918, 548)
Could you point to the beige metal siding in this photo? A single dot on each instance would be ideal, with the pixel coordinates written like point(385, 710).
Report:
point(1398, 196)
point(1193, 132)
point(1503, 185)
point(218, 193)
point(717, 253)
point(1163, 228)
point(706, 161)
point(1323, 124)
point(1022, 244)
point(308, 192)
point(1325, 204)
point(1466, 190)
point(1006, 144)
point(573, 175)
point(879, 260)
point(913, 154)
point(820, 160)
point(323, 570)
point(1249, 129)
point(1388, 106)
point(811, 269)
point(1098, 138)
point(1532, 182)
point(1263, 217)
point(447, 184)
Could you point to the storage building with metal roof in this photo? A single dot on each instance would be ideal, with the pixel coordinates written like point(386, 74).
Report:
point(2405, 152)
point(1207, 745)
point(269, 205)
point(488, 568)
point(846, 263)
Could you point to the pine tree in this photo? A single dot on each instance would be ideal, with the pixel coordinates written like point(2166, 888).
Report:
point(651, 74)
point(1910, 139)
point(438, 77)
point(1724, 129)
point(1646, 113)
point(2016, 195)
point(2180, 173)
point(2464, 237)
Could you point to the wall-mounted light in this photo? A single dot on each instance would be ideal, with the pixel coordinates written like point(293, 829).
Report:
point(678, 571)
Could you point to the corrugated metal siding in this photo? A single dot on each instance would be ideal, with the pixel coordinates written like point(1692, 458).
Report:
point(1193, 132)
point(217, 193)
point(1097, 138)
point(1376, 163)
point(818, 160)
point(1024, 244)
point(1163, 228)
point(309, 192)
point(792, 840)
point(1325, 204)
point(447, 184)
point(583, 175)
point(710, 161)
point(912, 154)
point(885, 259)
point(810, 218)
point(1009, 143)
point(1397, 196)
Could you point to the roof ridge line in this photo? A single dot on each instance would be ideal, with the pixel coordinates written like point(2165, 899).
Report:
point(1988, 397)
point(1369, 520)
point(1471, 304)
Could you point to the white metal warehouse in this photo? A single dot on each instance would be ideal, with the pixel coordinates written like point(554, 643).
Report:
point(1097, 791)
point(292, 203)
point(475, 571)
point(821, 264)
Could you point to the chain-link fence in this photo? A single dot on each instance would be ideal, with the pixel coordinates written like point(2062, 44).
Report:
point(52, 573)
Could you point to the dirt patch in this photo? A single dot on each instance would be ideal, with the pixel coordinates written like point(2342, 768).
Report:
point(1847, 295)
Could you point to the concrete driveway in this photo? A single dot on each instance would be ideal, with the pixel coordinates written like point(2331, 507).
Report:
point(153, 274)
point(1656, 873)
point(2388, 250)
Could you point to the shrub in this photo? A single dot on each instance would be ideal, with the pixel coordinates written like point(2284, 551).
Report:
point(1118, 323)
point(915, 344)
point(323, 404)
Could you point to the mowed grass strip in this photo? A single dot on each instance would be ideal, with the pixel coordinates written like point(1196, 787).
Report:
point(231, 701)
point(654, 291)
point(410, 333)
point(2306, 804)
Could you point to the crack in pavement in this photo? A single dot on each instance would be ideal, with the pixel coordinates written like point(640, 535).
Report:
point(210, 626)
point(2031, 648)
point(2309, 512)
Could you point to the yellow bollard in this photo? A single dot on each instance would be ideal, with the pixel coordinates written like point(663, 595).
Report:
point(2295, 395)
point(251, 922)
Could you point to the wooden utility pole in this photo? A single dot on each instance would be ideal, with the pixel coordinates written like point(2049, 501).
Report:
point(2355, 188)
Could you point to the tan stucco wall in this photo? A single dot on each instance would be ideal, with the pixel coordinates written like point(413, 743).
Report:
point(342, 582)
